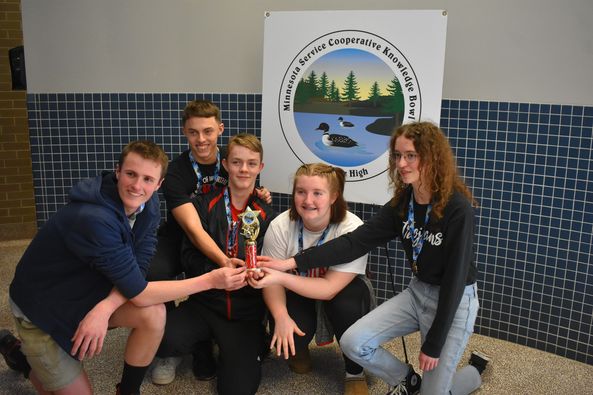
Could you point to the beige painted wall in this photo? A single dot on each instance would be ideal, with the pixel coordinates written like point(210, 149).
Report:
point(527, 51)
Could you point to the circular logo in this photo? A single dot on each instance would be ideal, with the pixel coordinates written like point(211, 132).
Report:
point(341, 98)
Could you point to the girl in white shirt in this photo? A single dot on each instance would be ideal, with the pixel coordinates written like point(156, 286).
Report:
point(322, 299)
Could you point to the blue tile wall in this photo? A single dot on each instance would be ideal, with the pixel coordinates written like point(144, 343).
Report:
point(529, 166)
point(75, 135)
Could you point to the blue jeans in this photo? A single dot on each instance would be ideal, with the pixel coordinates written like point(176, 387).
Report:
point(412, 310)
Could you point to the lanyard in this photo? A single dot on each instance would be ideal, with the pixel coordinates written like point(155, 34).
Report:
point(233, 227)
point(198, 172)
point(418, 242)
point(315, 272)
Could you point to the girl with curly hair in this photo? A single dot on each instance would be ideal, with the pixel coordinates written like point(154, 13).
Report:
point(431, 213)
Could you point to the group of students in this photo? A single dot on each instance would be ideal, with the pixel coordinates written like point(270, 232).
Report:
point(102, 261)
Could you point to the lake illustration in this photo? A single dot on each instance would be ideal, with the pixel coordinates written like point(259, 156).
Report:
point(369, 146)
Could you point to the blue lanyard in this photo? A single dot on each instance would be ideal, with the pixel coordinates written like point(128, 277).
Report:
point(233, 226)
point(417, 242)
point(198, 172)
point(315, 272)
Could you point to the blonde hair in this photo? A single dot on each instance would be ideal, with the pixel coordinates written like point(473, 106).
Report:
point(336, 178)
point(248, 141)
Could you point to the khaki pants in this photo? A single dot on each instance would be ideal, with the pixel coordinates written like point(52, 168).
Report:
point(54, 368)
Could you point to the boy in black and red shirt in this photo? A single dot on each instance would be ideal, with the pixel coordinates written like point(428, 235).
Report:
point(233, 319)
point(196, 171)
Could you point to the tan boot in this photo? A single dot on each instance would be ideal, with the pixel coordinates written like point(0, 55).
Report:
point(356, 386)
point(301, 362)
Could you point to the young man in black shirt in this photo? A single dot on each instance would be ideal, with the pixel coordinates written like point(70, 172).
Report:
point(196, 171)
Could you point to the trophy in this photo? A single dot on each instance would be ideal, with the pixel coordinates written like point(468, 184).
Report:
point(250, 229)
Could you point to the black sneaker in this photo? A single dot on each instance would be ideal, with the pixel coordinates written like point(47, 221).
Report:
point(409, 386)
point(204, 364)
point(479, 360)
point(10, 348)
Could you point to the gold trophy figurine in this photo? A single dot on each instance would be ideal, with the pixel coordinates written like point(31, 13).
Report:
point(250, 229)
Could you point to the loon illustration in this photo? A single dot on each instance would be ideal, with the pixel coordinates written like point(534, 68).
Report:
point(335, 140)
point(345, 124)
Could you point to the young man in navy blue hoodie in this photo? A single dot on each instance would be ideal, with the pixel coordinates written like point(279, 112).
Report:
point(84, 272)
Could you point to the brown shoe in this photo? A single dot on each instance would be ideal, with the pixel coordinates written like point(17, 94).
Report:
point(356, 386)
point(301, 362)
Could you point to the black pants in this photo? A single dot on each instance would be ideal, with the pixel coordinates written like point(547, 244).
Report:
point(240, 344)
point(350, 304)
point(166, 263)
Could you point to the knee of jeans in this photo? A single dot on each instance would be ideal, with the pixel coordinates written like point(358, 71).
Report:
point(351, 346)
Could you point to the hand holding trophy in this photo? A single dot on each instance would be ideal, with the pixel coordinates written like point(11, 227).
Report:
point(250, 229)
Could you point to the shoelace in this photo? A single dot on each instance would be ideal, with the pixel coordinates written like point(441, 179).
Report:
point(399, 389)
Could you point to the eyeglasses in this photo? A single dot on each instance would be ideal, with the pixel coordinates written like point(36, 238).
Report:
point(409, 157)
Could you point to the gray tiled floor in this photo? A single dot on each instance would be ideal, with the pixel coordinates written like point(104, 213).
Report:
point(515, 369)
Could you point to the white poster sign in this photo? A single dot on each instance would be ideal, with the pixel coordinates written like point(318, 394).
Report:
point(337, 83)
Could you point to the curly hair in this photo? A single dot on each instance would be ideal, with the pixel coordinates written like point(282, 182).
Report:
point(336, 178)
point(437, 166)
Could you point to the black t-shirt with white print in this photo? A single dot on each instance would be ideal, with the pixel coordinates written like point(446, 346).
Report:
point(181, 185)
point(447, 258)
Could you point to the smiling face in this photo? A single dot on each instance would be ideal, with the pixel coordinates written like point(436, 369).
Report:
point(243, 166)
point(407, 161)
point(313, 200)
point(137, 180)
point(202, 136)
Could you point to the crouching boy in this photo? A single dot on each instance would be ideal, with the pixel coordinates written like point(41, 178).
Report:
point(84, 272)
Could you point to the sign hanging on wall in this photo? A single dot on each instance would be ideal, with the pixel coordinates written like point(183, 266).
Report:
point(337, 83)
